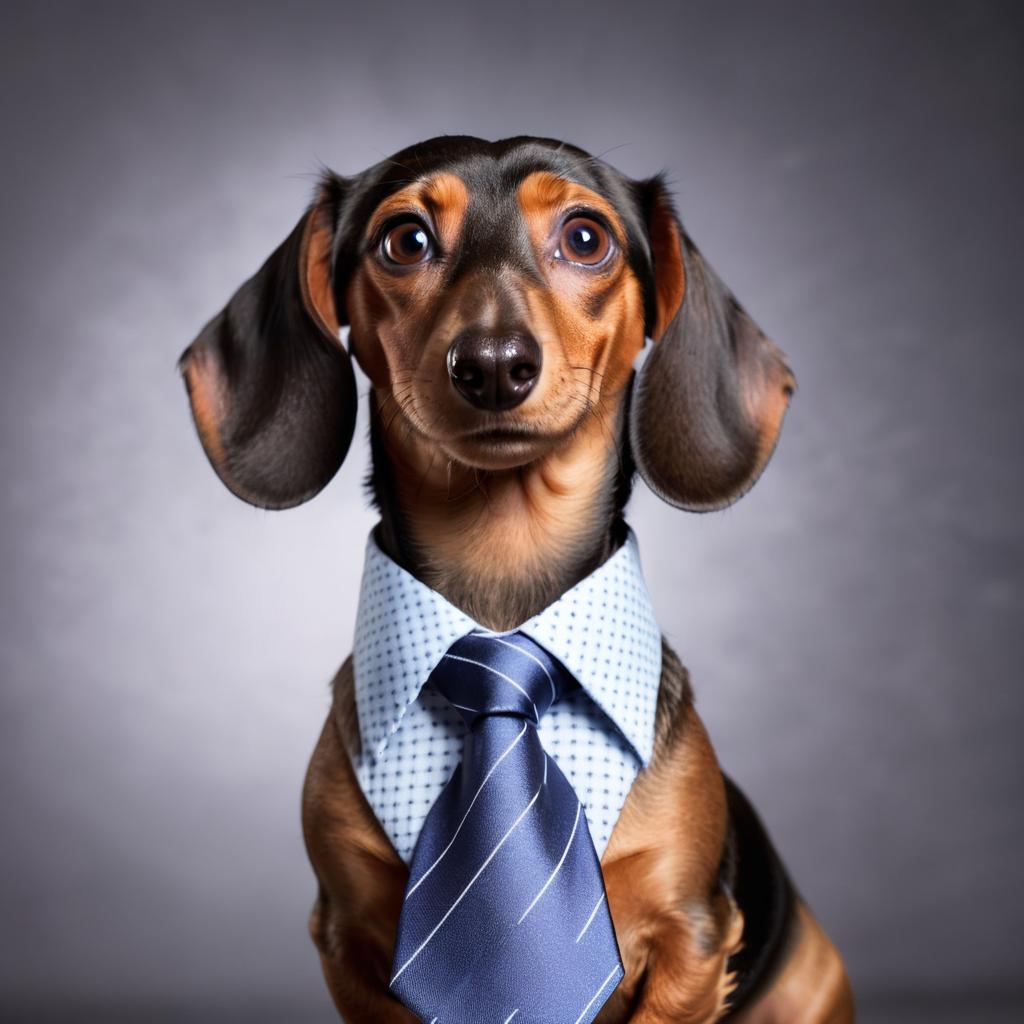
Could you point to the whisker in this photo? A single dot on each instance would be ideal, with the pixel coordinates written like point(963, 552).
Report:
point(586, 369)
point(398, 398)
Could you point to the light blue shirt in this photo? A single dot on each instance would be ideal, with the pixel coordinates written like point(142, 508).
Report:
point(603, 631)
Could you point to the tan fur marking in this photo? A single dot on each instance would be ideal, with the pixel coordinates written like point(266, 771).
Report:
point(543, 197)
point(669, 272)
point(440, 199)
point(207, 402)
point(315, 274)
point(766, 391)
point(447, 197)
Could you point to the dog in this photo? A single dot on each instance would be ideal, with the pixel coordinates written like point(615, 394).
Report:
point(498, 296)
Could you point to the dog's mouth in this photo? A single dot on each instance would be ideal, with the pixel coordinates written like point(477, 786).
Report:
point(503, 447)
point(504, 435)
point(490, 441)
point(506, 447)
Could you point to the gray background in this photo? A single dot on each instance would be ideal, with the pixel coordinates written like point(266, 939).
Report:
point(853, 626)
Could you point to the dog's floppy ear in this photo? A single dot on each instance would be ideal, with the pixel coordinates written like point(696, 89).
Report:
point(709, 400)
point(271, 387)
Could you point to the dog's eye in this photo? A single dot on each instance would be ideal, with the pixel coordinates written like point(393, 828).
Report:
point(583, 241)
point(407, 243)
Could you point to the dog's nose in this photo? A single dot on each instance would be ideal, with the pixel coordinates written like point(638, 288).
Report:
point(494, 372)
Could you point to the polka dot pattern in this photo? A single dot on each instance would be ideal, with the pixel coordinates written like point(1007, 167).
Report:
point(603, 631)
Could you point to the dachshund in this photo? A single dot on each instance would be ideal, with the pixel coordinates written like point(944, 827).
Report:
point(498, 296)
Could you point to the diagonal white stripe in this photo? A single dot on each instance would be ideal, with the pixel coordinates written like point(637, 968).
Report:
point(593, 914)
point(493, 769)
point(469, 886)
point(532, 657)
point(615, 970)
point(558, 866)
point(511, 1015)
point(491, 668)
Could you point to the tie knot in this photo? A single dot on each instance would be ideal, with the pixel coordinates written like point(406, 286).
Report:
point(484, 674)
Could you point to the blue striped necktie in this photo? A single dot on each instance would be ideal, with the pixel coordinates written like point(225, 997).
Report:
point(505, 917)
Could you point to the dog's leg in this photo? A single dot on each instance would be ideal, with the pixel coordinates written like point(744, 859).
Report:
point(676, 925)
point(361, 880)
point(811, 987)
point(683, 978)
point(357, 982)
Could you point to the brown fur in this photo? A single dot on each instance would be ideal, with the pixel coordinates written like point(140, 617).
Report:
point(207, 409)
point(675, 925)
point(812, 986)
point(315, 264)
point(671, 280)
point(461, 491)
point(466, 515)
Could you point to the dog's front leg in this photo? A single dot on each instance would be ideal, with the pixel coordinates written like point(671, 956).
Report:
point(676, 967)
point(361, 882)
point(811, 986)
point(355, 973)
point(675, 924)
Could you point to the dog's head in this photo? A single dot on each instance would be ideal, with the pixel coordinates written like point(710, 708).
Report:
point(497, 294)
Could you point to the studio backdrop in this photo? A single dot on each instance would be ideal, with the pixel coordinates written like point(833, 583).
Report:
point(852, 626)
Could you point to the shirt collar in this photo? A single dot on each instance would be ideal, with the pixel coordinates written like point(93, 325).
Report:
point(603, 630)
